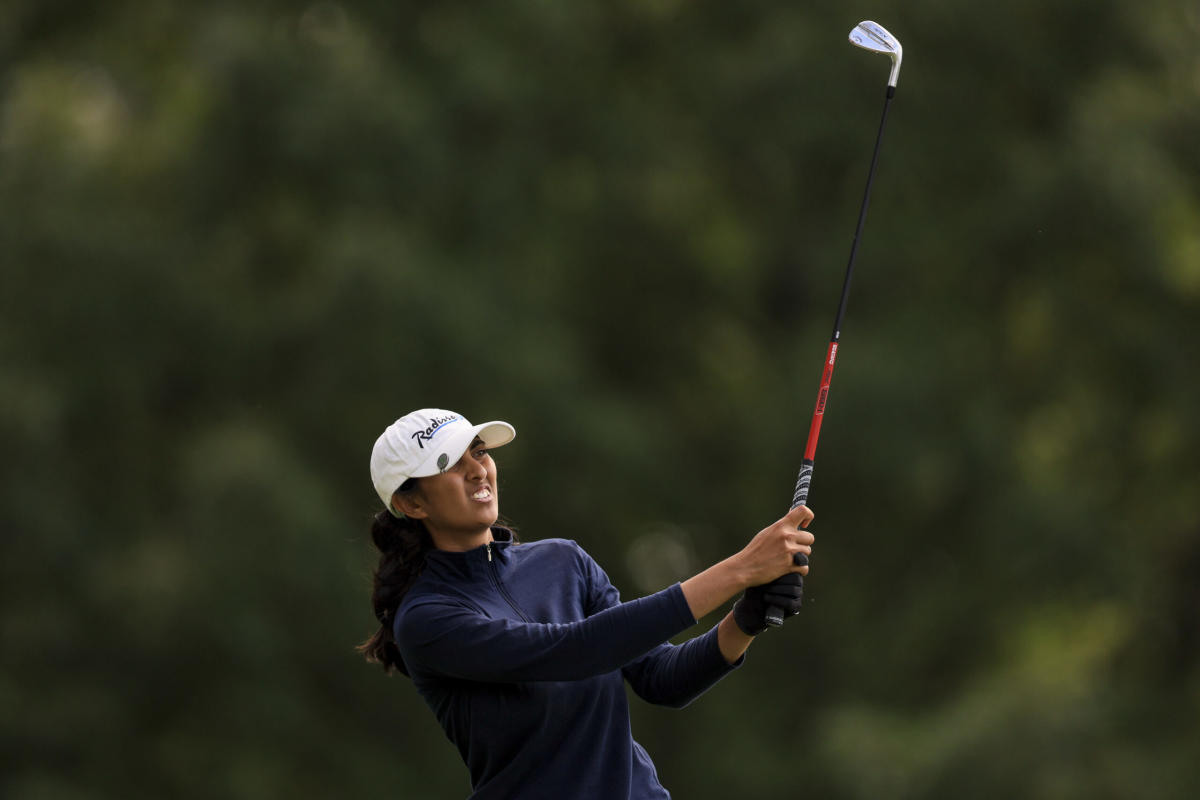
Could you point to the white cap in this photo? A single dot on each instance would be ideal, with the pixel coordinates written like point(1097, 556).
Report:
point(424, 443)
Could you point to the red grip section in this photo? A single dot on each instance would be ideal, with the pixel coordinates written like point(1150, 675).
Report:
point(814, 429)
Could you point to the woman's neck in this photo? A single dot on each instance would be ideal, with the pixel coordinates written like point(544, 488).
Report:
point(459, 541)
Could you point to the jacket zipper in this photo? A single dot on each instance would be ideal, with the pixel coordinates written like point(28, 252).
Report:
point(495, 573)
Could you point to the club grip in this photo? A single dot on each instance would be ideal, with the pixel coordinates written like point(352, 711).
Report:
point(774, 616)
point(803, 481)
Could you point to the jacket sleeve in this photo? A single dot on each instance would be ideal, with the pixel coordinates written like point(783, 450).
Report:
point(675, 675)
point(667, 675)
point(449, 638)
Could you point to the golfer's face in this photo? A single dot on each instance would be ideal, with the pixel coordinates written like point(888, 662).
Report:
point(464, 497)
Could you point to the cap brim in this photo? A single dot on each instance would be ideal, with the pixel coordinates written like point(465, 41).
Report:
point(449, 451)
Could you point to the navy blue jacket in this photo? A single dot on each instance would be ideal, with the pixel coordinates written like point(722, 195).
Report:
point(522, 651)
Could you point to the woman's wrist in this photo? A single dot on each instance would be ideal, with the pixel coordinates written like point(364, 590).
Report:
point(740, 575)
point(732, 641)
point(712, 588)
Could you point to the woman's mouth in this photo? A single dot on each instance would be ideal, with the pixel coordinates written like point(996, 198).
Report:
point(483, 495)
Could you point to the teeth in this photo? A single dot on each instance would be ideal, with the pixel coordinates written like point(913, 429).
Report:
point(483, 494)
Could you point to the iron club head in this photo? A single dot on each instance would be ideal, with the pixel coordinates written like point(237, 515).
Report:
point(874, 37)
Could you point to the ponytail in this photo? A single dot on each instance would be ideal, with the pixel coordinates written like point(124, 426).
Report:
point(402, 543)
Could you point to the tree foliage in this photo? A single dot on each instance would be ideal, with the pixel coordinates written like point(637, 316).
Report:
point(237, 241)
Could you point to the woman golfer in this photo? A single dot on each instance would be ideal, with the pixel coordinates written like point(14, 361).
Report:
point(522, 650)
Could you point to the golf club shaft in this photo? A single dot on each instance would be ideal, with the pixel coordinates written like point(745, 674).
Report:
point(800, 496)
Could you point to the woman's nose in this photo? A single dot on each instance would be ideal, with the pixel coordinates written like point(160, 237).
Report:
point(475, 468)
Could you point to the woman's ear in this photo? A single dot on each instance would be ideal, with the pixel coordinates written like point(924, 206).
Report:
point(409, 504)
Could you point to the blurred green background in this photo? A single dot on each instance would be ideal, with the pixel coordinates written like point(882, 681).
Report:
point(238, 240)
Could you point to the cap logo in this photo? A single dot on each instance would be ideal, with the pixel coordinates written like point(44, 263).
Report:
point(435, 424)
point(443, 462)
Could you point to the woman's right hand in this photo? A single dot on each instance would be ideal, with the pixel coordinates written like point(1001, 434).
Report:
point(769, 554)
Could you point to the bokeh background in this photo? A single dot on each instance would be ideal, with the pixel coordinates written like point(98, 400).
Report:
point(238, 239)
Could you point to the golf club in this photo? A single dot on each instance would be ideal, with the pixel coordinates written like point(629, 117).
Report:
point(874, 37)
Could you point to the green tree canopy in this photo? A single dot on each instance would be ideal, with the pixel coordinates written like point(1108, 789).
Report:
point(237, 241)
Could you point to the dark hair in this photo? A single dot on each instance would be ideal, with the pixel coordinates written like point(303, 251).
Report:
point(402, 543)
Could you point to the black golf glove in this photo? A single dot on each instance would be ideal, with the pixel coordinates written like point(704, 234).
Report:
point(786, 593)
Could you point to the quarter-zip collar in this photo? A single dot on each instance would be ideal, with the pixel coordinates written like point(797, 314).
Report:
point(471, 564)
